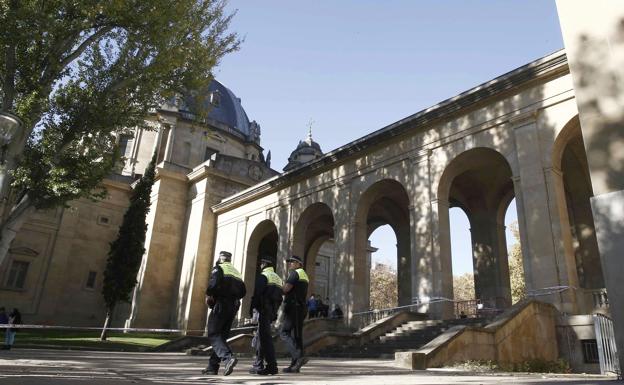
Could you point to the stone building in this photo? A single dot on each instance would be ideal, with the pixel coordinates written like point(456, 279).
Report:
point(55, 266)
point(516, 136)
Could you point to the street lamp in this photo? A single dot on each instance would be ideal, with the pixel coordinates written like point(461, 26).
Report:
point(9, 125)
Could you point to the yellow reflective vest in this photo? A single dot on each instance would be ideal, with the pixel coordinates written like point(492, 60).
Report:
point(272, 277)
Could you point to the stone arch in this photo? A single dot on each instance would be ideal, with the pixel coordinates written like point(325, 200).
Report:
point(263, 241)
point(384, 202)
point(479, 181)
point(570, 160)
point(314, 226)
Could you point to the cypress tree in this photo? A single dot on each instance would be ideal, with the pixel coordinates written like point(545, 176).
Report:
point(126, 252)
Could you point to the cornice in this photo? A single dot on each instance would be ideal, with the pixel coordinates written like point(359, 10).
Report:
point(555, 64)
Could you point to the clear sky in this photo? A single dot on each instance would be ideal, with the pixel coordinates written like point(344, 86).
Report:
point(355, 66)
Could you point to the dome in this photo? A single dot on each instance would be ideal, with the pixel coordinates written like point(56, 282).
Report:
point(228, 110)
point(224, 107)
point(307, 150)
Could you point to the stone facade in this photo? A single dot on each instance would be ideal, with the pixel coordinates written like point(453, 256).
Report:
point(55, 267)
point(515, 136)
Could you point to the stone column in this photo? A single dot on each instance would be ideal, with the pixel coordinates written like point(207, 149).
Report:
point(490, 261)
point(431, 242)
point(170, 143)
point(154, 296)
point(593, 33)
point(544, 260)
point(404, 264)
point(197, 254)
point(559, 209)
point(345, 235)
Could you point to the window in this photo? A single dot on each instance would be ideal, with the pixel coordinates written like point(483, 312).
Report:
point(124, 145)
point(17, 274)
point(103, 220)
point(91, 279)
point(590, 351)
point(215, 98)
point(210, 153)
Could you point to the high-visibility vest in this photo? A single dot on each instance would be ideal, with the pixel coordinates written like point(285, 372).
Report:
point(272, 277)
point(230, 271)
point(302, 275)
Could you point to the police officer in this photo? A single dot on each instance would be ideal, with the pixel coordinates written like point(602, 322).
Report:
point(266, 300)
point(225, 289)
point(295, 291)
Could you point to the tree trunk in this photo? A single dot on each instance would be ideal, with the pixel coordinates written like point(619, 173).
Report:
point(12, 224)
point(109, 316)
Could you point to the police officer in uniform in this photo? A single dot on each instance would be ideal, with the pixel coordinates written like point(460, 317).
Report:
point(295, 310)
point(225, 289)
point(266, 300)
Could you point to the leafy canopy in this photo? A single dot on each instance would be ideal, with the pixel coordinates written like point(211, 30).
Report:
point(79, 71)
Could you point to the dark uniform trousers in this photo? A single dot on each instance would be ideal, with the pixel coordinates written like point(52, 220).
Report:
point(292, 329)
point(219, 325)
point(267, 350)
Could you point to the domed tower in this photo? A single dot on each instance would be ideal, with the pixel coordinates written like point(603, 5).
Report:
point(183, 138)
point(307, 150)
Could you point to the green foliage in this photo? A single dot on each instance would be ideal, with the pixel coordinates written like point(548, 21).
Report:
point(383, 287)
point(463, 287)
point(516, 269)
point(79, 72)
point(126, 252)
point(71, 339)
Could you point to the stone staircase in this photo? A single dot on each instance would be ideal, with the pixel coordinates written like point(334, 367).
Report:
point(408, 336)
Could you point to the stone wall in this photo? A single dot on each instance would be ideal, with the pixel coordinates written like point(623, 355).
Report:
point(62, 246)
point(524, 333)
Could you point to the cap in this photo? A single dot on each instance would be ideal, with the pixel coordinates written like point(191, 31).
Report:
point(295, 258)
point(268, 260)
point(225, 254)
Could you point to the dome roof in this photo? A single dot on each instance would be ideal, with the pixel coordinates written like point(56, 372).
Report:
point(229, 111)
point(307, 150)
point(224, 107)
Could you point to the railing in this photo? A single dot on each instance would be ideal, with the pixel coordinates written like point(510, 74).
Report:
point(364, 318)
point(607, 350)
point(477, 308)
point(548, 290)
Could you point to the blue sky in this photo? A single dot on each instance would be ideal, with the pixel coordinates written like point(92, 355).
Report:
point(356, 66)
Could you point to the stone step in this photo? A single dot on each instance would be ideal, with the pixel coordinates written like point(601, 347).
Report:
point(409, 336)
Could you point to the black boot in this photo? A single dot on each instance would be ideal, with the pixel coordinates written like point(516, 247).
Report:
point(269, 370)
point(210, 371)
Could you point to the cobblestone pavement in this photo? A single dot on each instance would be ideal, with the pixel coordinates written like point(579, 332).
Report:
point(30, 366)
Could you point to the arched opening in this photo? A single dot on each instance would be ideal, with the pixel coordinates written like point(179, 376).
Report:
point(383, 281)
point(384, 203)
point(569, 157)
point(479, 181)
point(461, 255)
point(313, 241)
point(514, 248)
point(262, 243)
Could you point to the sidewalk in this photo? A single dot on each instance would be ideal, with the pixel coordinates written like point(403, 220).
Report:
point(34, 366)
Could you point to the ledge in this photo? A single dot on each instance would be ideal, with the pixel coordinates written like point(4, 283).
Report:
point(550, 65)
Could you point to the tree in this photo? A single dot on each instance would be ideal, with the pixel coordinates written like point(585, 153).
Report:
point(126, 252)
point(77, 73)
point(383, 287)
point(463, 287)
point(516, 269)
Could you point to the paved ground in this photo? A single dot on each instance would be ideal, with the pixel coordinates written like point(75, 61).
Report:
point(29, 366)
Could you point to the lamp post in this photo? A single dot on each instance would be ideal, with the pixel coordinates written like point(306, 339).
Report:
point(9, 126)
